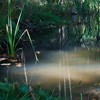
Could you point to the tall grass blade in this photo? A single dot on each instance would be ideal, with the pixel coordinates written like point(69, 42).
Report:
point(17, 27)
point(26, 79)
point(26, 31)
point(69, 80)
point(12, 35)
point(81, 96)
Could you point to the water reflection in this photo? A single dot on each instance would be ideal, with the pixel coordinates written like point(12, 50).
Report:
point(83, 67)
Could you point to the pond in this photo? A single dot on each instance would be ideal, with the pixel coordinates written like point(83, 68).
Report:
point(70, 73)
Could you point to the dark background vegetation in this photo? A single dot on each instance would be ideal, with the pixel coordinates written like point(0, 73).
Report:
point(44, 19)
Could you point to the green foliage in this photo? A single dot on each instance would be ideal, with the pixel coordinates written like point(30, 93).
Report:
point(41, 94)
point(24, 88)
point(22, 92)
point(42, 16)
point(13, 36)
point(5, 87)
point(45, 15)
point(13, 92)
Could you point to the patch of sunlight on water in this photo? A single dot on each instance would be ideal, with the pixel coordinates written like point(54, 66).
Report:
point(81, 64)
point(77, 73)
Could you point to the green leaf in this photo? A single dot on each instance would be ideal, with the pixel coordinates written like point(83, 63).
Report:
point(25, 98)
point(24, 88)
point(5, 87)
point(42, 92)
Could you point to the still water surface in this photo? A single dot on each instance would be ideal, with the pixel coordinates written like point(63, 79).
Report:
point(79, 68)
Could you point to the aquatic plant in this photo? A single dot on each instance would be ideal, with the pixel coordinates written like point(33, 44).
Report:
point(13, 36)
point(81, 96)
point(12, 91)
